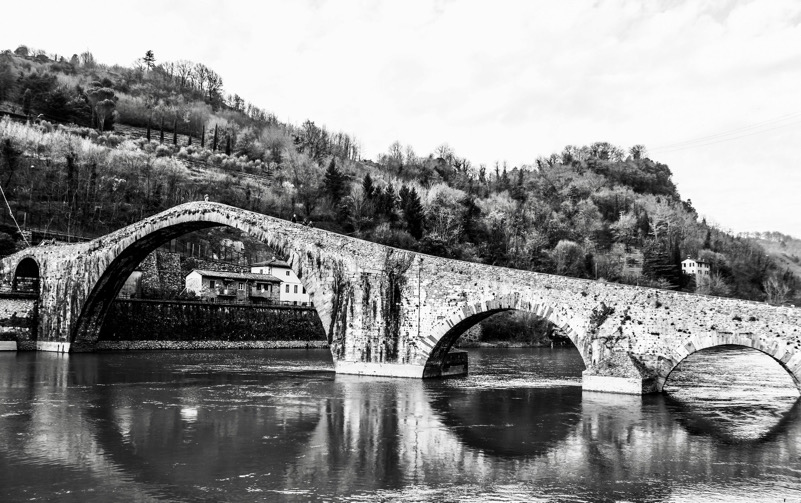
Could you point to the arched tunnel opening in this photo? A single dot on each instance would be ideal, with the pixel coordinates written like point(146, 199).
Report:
point(26, 276)
point(732, 392)
point(200, 287)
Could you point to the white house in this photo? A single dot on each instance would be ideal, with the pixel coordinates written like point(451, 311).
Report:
point(292, 290)
point(220, 286)
point(698, 268)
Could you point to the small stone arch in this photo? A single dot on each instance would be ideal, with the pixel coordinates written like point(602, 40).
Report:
point(448, 331)
point(26, 276)
point(783, 353)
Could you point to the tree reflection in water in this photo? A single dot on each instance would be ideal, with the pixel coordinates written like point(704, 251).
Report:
point(208, 426)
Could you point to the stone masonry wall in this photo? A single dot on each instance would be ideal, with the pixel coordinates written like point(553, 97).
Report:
point(161, 274)
point(157, 320)
point(17, 320)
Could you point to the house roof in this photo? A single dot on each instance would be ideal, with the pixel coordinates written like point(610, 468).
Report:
point(273, 262)
point(237, 275)
point(694, 260)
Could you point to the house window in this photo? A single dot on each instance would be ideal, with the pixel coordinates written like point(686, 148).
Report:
point(211, 283)
point(296, 288)
point(241, 286)
point(287, 289)
point(304, 289)
point(287, 273)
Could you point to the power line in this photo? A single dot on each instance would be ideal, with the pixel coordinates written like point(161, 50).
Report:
point(721, 140)
point(732, 134)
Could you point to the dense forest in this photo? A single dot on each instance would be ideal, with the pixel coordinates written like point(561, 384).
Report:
point(86, 148)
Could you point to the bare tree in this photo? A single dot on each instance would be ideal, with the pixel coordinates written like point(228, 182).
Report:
point(214, 85)
point(199, 72)
point(183, 70)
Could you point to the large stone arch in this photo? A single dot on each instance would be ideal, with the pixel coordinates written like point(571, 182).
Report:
point(95, 278)
point(784, 354)
point(445, 333)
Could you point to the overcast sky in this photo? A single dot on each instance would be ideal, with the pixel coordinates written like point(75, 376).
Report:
point(712, 88)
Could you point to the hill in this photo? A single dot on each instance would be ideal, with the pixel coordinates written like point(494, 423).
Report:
point(86, 148)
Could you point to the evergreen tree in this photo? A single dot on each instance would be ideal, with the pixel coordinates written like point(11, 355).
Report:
point(659, 263)
point(368, 187)
point(391, 202)
point(470, 219)
point(334, 183)
point(386, 202)
point(413, 212)
point(149, 60)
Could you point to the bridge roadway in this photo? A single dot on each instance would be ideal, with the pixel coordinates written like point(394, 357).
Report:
point(397, 313)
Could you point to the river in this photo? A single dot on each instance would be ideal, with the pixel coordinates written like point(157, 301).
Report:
point(279, 425)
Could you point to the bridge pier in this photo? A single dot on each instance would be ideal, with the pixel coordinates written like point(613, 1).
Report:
point(53, 347)
point(455, 365)
point(620, 385)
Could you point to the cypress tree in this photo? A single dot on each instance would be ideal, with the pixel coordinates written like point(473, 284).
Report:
point(334, 183)
point(148, 129)
point(367, 185)
point(214, 141)
point(413, 212)
point(203, 137)
point(390, 202)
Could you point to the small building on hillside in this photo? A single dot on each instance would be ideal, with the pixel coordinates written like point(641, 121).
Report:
point(292, 290)
point(698, 268)
point(239, 287)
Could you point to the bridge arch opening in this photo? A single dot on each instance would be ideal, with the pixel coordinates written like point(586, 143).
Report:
point(133, 248)
point(26, 276)
point(734, 393)
point(734, 364)
point(446, 334)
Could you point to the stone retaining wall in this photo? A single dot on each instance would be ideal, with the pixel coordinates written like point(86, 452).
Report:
point(17, 322)
point(185, 345)
point(131, 321)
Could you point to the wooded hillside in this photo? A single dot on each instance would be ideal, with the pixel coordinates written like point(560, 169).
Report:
point(87, 148)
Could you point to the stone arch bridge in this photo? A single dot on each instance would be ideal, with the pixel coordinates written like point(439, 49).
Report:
point(397, 313)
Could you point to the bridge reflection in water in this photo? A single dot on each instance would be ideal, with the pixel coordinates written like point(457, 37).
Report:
point(248, 425)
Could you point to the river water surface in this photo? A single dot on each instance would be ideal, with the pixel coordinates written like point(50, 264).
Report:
point(279, 425)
